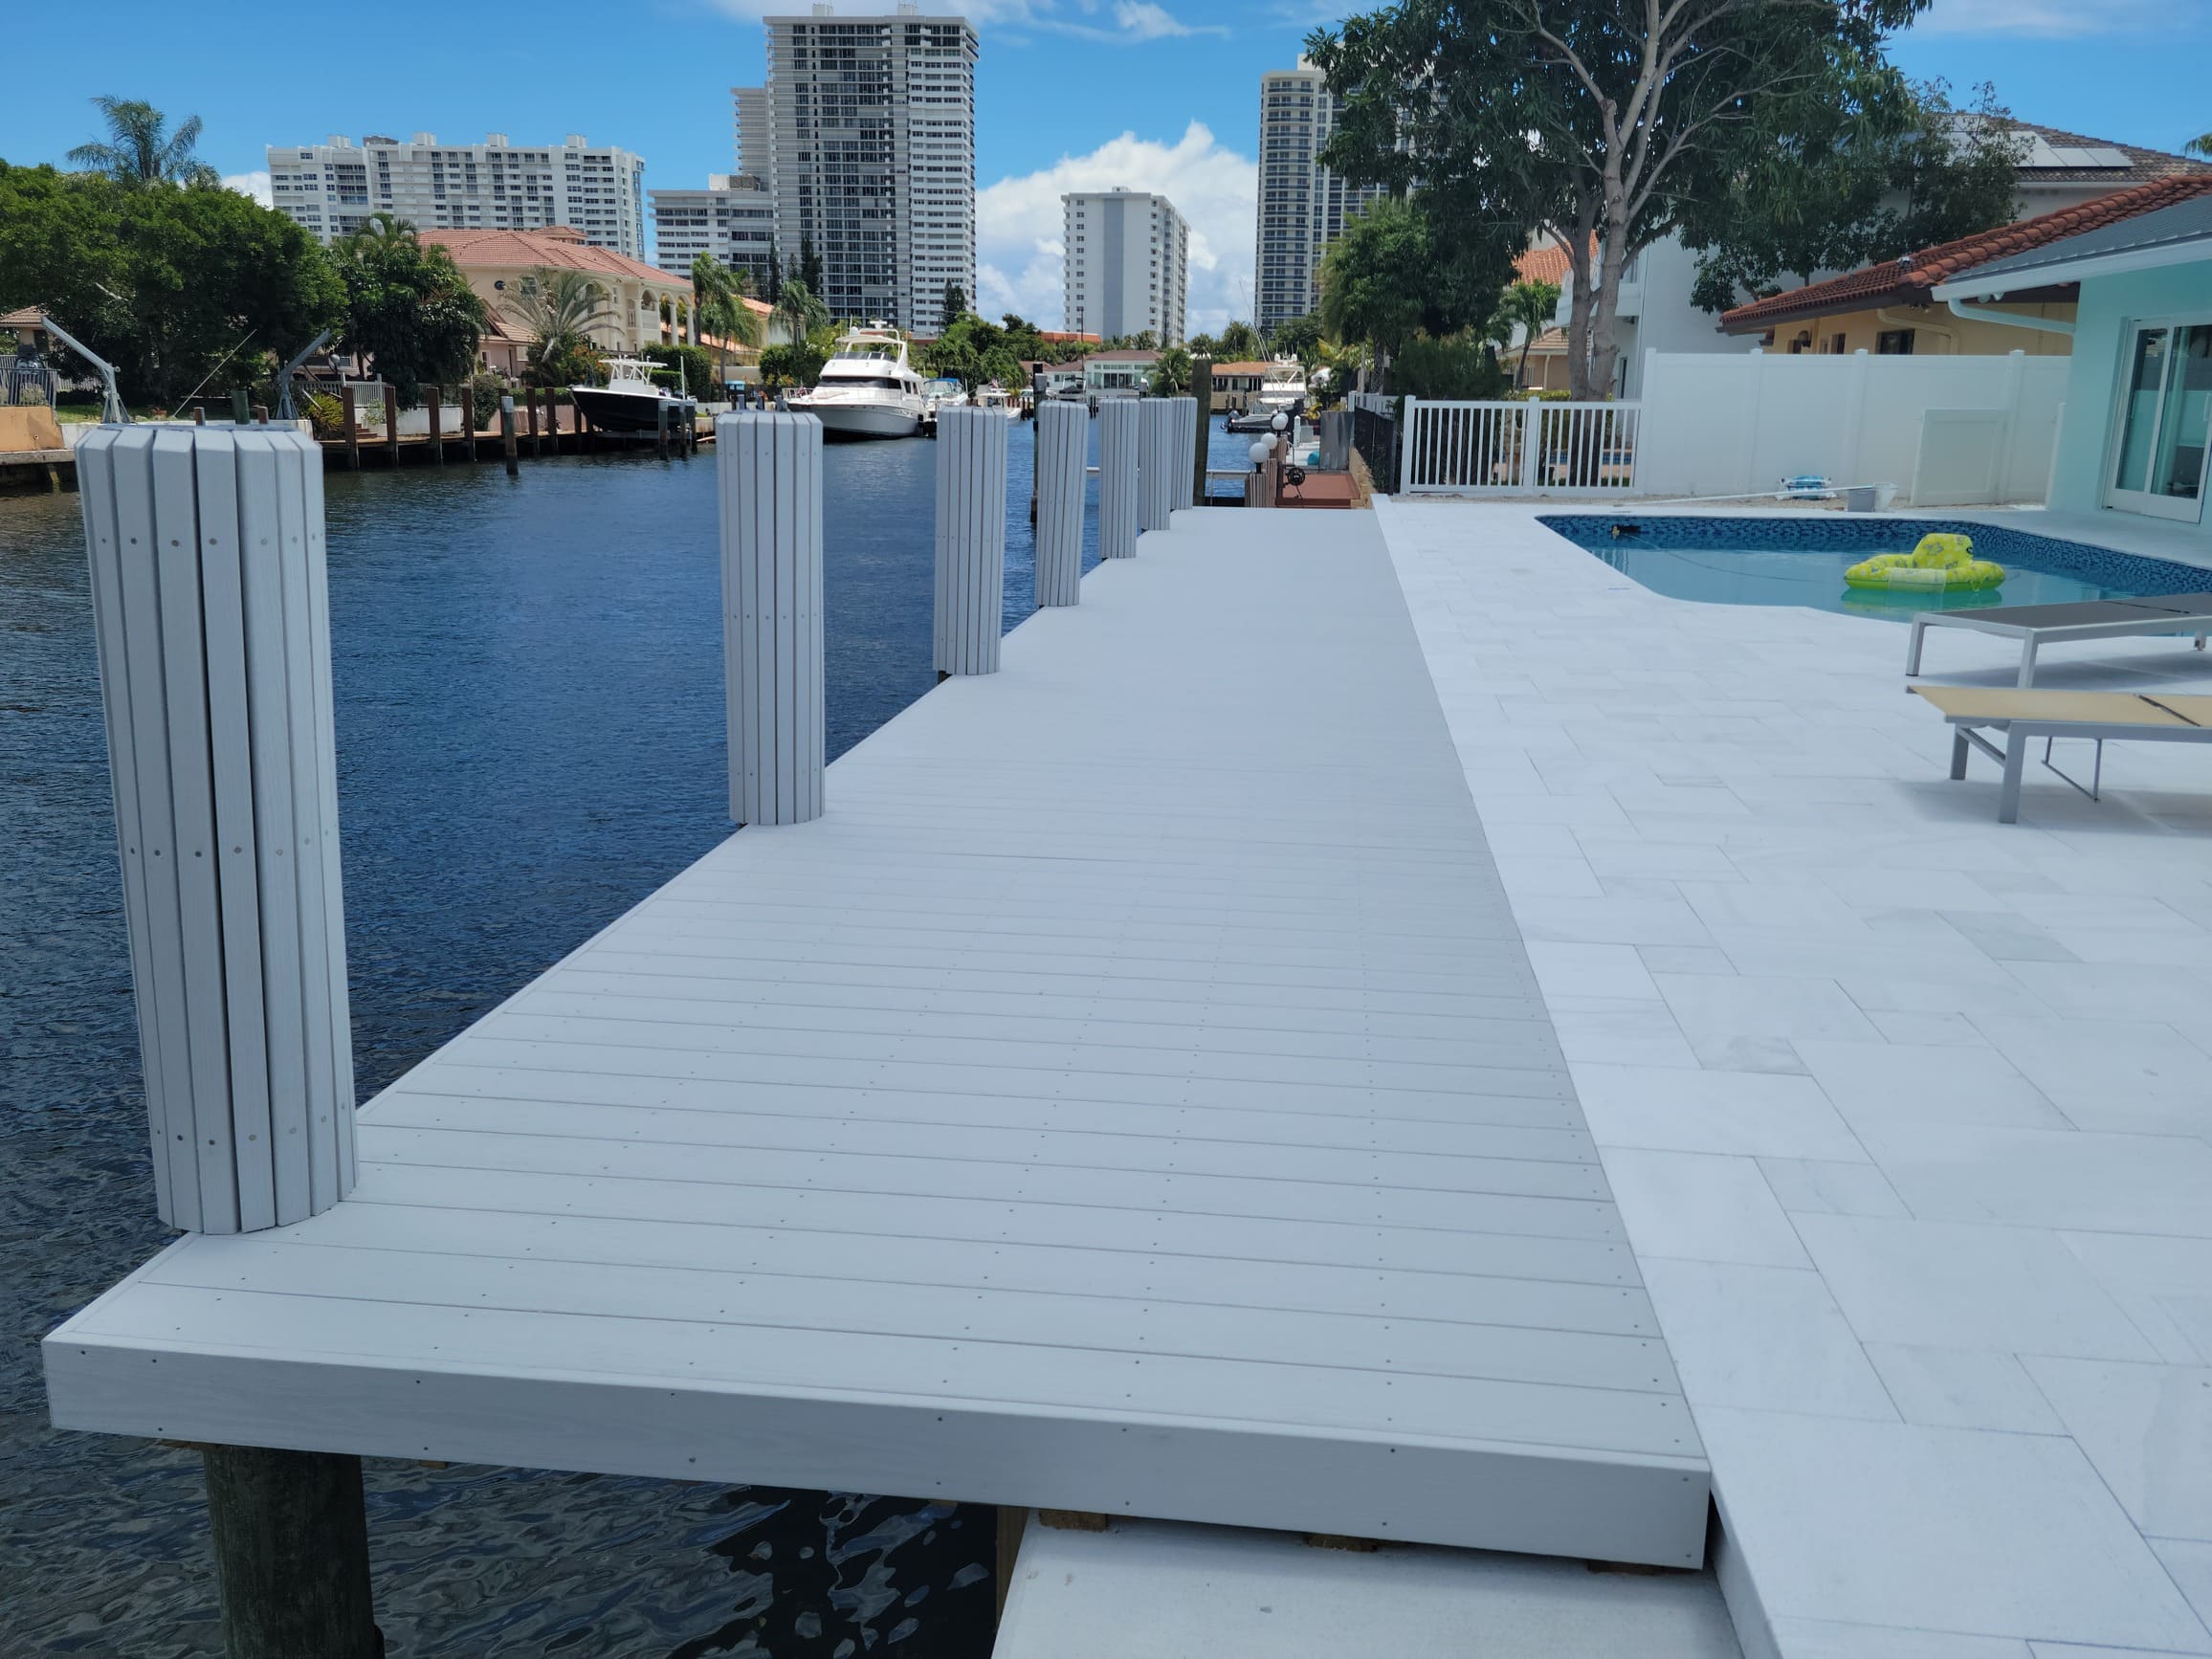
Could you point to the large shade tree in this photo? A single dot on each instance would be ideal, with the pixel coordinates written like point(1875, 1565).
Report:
point(1890, 167)
point(410, 313)
point(174, 286)
point(141, 149)
point(1583, 121)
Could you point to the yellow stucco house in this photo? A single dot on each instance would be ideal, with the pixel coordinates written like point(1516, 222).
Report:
point(498, 262)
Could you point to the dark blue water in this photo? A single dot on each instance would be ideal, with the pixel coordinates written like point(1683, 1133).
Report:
point(529, 711)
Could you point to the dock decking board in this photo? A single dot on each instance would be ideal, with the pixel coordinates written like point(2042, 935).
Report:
point(1133, 1096)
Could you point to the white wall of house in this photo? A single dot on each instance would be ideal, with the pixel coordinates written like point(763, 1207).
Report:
point(1946, 430)
point(1656, 314)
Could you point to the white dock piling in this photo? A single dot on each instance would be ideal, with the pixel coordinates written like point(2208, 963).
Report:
point(211, 613)
point(1186, 439)
point(1119, 423)
point(1063, 437)
point(1156, 463)
point(971, 539)
point(768, 473)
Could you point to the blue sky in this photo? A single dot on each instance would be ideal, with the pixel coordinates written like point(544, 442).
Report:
point(1154, 94)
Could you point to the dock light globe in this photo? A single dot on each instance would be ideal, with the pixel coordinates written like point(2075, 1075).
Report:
point(1259, 453)
point(1281, 421)
point(1272, 443)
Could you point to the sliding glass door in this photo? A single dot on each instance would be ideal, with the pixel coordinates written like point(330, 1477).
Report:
point(2165, 421)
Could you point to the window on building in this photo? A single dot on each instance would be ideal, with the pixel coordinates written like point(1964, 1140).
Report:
point(1893, 343)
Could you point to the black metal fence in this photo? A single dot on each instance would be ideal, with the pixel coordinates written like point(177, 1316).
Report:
point(1375, 435)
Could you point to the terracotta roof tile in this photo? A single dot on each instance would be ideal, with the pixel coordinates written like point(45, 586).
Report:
point(1545, 262)
point(1907, 280)
point(529, 250)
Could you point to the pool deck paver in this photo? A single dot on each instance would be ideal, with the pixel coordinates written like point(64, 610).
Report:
point(1958, 1399)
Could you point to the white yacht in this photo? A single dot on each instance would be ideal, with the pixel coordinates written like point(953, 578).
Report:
point(867, 389)
point(632, 399)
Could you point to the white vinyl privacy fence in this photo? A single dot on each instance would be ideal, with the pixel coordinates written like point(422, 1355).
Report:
point(1950, 430)
point(1519, 448)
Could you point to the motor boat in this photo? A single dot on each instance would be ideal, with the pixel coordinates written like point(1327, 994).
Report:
point(632, 400)
point(867, 390)
point(943, 392)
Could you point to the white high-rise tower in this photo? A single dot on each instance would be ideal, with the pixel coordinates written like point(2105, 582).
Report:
point(1128, 264)
point(1303, 204)
point(865, 137)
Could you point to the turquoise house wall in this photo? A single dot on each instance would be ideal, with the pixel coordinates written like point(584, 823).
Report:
point(2091, 401)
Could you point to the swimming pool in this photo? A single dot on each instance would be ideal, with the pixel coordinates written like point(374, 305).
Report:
point(1800, 559)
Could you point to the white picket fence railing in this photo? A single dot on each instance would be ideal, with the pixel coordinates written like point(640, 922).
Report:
point(1518, 447)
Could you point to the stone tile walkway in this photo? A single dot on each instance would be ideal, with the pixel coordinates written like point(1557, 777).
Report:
point(1909, 1114)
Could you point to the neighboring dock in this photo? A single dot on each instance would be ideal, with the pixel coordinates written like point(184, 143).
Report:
point(1131, 1097)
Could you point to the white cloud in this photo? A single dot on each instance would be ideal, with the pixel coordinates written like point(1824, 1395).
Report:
point(255, 184)
point(1020, 260)
point(2047, 18)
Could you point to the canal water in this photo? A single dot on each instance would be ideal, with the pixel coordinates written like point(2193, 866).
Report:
point(529, 715)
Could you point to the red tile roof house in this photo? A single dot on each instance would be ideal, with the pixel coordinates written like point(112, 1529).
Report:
point(2056, 170)
point(497, 263)
point(1889, 309)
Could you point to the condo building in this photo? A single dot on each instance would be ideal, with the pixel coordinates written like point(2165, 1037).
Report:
point(864, 136)
point(1303, 204)
point(733, 218)
point(333, 188)
point(1128, 264)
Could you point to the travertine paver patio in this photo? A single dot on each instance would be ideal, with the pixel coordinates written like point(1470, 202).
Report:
point(1906, 1111)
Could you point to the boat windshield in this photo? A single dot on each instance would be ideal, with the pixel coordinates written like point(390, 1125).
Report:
point(876, 382)
point(867, 351)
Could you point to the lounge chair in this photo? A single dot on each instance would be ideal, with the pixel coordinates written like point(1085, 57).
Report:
point(2023, 716)
point(2039, 624)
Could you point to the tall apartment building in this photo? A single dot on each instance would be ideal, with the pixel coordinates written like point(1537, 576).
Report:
point(1303, 204)
point(1128, 264)
point(733, 218)
point(868, 128)
point(331, 188)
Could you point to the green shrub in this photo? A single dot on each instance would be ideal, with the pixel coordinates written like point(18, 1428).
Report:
point(1458, 365)
point(487, 389)
point(698, 367)
point(325, 414)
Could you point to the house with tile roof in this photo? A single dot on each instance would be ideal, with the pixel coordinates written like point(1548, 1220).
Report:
point(1891, 308)
point(498, 263)
point(2136, 432)
point(2056, 170)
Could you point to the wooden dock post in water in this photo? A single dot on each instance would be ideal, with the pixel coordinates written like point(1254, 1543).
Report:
point(433, 404)
point(507, 431)
point(260, 415)
point(1156, 458)
point(1118, 435)
point(469, 419)
point(353, 428)
point(971, 539)
point(1063, 437)
point(391, 423)
point(290, 1554)
point(211, 613)
point(241, 410)
point(1201, 427)
point(660, 428)
point(769, 482)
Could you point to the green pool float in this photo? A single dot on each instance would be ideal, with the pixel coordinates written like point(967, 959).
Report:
point(1943, 563)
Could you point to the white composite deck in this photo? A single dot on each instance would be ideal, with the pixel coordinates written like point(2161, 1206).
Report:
point(1134, 1095)
point(1906, 1110)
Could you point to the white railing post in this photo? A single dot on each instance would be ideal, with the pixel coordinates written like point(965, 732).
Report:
point(971, 539)
point(1155, 463)
point(768, 473)
point(211, 613)
point(1405, 447)
point(1117, 487)
point(1186, 425)
point(1063, 438)
point(1532, 443)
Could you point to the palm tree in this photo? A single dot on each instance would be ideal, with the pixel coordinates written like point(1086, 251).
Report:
point(1525, 308)
point(561, 308)
point(799, 311)
point(143, 150)
point(2199, 145)
point(384, 230)
point(718, 301)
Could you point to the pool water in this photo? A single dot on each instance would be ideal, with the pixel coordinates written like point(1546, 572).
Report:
point(1802, 561)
